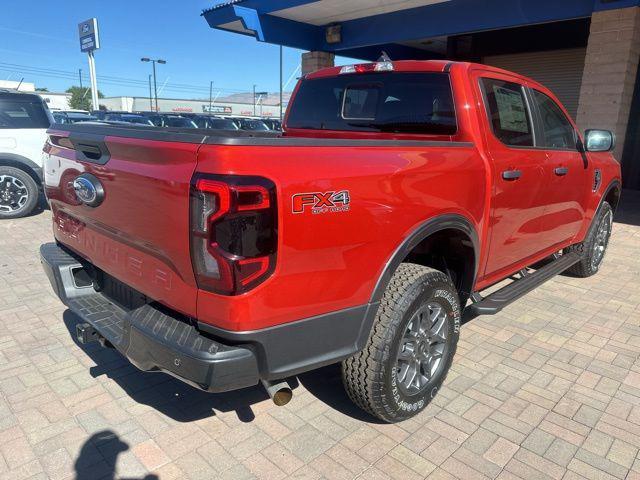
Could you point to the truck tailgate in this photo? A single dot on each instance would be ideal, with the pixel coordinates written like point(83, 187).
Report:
point(139, 233)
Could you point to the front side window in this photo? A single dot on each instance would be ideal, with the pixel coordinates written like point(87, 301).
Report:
point(401, 102)
point(557, 131)
point(508, 112)
point(23, 114)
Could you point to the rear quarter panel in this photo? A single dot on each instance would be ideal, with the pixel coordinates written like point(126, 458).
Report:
point(330, 261)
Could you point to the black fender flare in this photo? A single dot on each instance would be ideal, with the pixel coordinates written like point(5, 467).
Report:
point(423, 231)
point(24, 163)
point(613, 184)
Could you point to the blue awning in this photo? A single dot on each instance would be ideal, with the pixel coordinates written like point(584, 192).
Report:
point(366, 27)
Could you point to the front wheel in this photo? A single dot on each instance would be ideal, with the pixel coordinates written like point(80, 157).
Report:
point(410, 348)
point(594, 247)
point(18, 193)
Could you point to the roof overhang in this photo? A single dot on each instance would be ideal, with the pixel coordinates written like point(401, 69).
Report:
point(366, 27)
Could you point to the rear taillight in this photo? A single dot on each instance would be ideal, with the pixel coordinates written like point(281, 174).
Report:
point(233, 232)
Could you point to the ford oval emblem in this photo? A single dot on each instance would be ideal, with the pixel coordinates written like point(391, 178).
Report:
point(88, 189)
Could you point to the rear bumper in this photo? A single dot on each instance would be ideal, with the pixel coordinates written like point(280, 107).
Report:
point(150, 336)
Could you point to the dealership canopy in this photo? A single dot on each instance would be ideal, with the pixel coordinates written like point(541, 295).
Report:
point(415, 29)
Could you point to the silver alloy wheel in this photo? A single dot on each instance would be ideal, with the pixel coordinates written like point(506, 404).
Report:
point(13, 193)
point(602, 240)
point(422, 348)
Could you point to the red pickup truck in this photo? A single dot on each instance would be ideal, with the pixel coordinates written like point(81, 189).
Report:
point(398, 193)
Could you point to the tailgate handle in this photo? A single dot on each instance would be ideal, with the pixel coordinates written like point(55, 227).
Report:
point(90, 148)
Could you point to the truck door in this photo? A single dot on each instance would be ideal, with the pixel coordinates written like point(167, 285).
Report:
point(518, 176)
point(566, 170)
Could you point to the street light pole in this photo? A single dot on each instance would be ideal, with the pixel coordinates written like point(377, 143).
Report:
point(210, 95)
point(281, 83)
point(155, 86)
point(150, 95)
point(254, 100)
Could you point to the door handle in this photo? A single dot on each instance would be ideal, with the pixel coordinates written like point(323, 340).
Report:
point(561, 171)
point(511, 174)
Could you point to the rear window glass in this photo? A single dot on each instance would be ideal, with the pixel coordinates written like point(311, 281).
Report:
point(22, 114)
point(508, 112)
point(376, 102)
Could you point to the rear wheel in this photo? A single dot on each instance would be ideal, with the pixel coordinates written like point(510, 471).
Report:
point(410, 348)
point(594, 247)
point(18, 193)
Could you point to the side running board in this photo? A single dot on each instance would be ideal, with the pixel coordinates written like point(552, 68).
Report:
point(495, 302)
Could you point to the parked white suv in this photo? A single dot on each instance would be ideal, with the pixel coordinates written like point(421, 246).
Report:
point(24, 119)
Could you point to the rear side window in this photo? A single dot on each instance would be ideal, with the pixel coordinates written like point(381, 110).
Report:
point(22, 114)
point(420, 103)
point(508, 112)
point(557, 131)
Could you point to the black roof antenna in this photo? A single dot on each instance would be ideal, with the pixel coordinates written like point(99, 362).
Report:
point(384, 57)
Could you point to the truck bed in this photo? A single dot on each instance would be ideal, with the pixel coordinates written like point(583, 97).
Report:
point(236, 137)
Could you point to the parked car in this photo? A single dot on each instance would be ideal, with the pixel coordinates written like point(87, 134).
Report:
point(169, 120)
point(64, 116)
point(24, 119)
point(203, 120)
point(272, 124)
point(399, 193)
point(251, 124)
point(101, 114)
point(218, 123)
point(128, 118)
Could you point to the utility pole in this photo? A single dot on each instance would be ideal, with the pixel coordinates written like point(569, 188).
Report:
point(254, 99)
point(80, 77)
point(210, 95)
point(150, 96)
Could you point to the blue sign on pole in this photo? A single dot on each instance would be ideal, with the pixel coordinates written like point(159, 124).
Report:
point(88, 32)
point(88, 43)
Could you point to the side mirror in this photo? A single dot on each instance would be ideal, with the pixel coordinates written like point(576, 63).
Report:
point(599, 140)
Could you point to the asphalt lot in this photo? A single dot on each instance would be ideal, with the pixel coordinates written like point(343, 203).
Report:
point(549, 388)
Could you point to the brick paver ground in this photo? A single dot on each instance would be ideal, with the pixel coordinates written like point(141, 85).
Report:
point(548, 389)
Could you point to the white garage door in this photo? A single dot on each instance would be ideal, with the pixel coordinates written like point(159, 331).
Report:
point(558, 70)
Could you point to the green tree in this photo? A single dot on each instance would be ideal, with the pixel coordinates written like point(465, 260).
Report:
point(81, 98)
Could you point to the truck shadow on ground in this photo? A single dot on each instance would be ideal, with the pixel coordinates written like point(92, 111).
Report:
point(184, 403)
point(98, 458)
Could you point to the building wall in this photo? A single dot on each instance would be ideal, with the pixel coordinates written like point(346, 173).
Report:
point(610, 73)
point(56, 101)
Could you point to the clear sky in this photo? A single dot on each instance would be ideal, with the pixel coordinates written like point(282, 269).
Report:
point(39, 41)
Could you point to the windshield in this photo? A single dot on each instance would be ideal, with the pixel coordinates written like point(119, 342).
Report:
point(376, 102)
point(23, 114)
point(222, 124)
point(179, 122)
point(133, 119)
point(255, 125)
point(80, 117)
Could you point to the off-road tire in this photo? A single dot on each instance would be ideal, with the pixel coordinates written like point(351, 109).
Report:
point(32, 192)
point(586, 249)
point(371, 376)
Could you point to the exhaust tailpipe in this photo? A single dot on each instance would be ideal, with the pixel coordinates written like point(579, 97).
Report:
point(280, 392)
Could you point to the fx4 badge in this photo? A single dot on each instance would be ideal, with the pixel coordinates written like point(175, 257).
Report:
point(318, 202)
